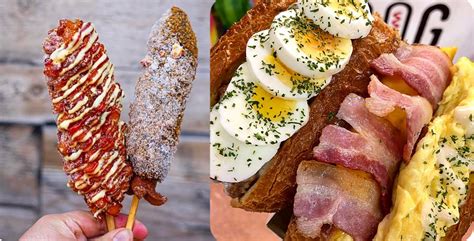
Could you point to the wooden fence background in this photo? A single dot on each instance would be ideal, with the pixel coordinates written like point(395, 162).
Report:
point(31, 180)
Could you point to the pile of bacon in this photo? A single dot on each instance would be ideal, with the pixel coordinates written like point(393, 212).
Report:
point(88, 103)
point(344, 198)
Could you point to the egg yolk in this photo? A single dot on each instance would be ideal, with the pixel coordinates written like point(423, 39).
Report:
point(320, 45)
point(271, 107)
point(284, 74)
point(287, 76)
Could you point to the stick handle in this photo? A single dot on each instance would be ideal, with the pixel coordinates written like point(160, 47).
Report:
point(133, 212)
point(110, 222)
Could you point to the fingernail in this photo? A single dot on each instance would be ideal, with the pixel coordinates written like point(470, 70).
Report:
point(124, 235)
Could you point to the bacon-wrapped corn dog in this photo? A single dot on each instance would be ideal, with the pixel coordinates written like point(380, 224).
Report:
point(87, 100)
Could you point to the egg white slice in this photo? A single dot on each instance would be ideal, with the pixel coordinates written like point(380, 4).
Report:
point(274, 76)
point(231, 159)
point(305, 48)
point(346, 19)
point(254, 116)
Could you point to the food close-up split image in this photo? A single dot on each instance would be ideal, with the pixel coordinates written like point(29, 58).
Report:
point(104, 120)
point(342, 120)
point(237, 120)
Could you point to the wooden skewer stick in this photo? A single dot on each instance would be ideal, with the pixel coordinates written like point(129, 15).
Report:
point(110, 222)
point(133, 212)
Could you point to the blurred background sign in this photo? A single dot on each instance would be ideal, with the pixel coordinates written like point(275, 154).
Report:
point(439, 22)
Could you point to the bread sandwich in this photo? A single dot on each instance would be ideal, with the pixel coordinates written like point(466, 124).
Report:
point(322, 107)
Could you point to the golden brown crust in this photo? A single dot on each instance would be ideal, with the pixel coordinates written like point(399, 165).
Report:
point(456, 232)
point(292, 233)
point(229, 52)
point(178, 23)
point(275, 188)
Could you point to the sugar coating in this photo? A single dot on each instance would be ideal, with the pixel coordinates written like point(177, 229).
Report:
point(161, 94)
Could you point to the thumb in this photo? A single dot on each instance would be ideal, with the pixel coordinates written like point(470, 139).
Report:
point(120, 234)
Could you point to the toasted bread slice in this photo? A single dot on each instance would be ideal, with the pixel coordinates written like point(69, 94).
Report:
point(466, 214)
point(275, 186)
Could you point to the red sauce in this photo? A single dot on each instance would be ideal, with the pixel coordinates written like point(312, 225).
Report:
point(91, 167)
point(50, 69)
point(67, 28)
point(104, 146)
point(87, 145)
point(74, 128)
point(114, 210)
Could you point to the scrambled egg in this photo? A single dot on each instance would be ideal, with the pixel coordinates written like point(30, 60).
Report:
point(432, 187)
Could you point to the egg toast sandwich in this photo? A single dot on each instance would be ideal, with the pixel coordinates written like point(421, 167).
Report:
point(320, 106)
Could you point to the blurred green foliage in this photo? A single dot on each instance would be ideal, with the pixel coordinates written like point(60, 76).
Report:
point(230, 11)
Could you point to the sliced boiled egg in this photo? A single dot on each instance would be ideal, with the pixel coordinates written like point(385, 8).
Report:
point(231, 159)
point(303, 47)
point(254, 116)
point(274, 76)
point(343, 18)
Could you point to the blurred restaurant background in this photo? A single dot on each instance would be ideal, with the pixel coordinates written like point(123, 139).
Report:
point(32, 182)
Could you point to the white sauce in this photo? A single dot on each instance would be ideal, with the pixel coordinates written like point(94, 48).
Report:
point(78, 105)
point(464, 115)
point(98, 196)
point(73, 156)
point(62, 52)
point(442, 157)
point(102, 71)
point(81, 53)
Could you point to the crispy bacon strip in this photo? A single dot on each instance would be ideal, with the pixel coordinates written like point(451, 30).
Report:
point(354, 112)
point(375, 148)
point(425, 68)
point(383, 100)
point(86, 98)
point(327, 194)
